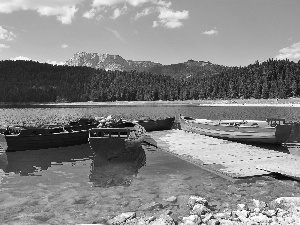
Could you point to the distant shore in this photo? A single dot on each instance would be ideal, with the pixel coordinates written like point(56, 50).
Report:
point(290, 102)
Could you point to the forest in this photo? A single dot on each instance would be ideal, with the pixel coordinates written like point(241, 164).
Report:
point(29, 81)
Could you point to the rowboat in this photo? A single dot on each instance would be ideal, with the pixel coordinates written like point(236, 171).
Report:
point(113, 138)
point(156, 125)
point(271, 131)
point(20, 138)
point(293, 142)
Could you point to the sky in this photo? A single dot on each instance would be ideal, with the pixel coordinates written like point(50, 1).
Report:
point(224, 32)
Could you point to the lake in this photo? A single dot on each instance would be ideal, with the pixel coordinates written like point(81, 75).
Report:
point(72, 185)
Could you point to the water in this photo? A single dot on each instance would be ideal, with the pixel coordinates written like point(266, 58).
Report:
point(73, 185)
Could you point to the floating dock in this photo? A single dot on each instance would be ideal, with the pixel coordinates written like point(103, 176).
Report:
point(226, 158)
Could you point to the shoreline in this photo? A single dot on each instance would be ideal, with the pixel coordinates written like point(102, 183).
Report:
point(290, 102)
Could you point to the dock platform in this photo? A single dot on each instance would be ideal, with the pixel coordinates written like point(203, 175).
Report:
point(226, 158)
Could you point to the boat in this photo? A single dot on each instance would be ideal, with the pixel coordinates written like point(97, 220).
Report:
point(271, 131)
point(293, 142)
point(20, 138)
point(114, 138)
point(157, 125)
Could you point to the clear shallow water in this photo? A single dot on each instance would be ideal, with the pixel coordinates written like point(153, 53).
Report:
point(71, 185)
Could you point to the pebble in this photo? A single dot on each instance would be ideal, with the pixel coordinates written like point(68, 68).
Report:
point(151, 206)
point(122, 218)
point(171, 199)
point(199, 210)
point(287, 212)
point(193, 200)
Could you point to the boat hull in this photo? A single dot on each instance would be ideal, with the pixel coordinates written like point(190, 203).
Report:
point(115, 142)
point(293, 142)
point(261, 132)
point(156, 125)
point(114, 147)
point(43, 141)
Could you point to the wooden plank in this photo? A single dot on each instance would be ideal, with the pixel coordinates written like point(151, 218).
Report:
point(226, 157)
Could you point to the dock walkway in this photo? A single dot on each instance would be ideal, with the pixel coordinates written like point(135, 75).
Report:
point(227, 158)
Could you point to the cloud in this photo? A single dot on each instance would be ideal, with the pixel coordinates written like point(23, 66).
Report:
point(118, 12)
point(90, 14)
point(166, 16)
point(97, 3)
point(21, 58)
point(145, 12)
point(28, 59)
point(117, 35)
point(64, 45)
point(292, 52)
point(54, 62)
point(2, 46)
point(64, 14)
point(6, 35)
point(211, 32)
point(64, 10)
point(170, 19)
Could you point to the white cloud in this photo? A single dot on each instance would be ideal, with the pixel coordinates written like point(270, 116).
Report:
point(6, 35)
point(64, 45)
point(55, 62)
point(116, 34)
point(28, 59)
point(145, 12)
point(211, 32)
point(292, 52)
point(97, 3)
point(166, 16)
point(155, 24)
point(118, 12)
point(90, 14)
point(21, 58)
point(64, 14)
point(170, 19)
point(2, 46)
point(64, 10)
point(163, 3)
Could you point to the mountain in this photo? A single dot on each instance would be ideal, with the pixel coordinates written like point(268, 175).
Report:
point(116, 62)
point(108, 62)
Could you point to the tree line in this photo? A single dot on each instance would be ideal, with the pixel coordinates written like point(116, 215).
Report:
point(28, 81)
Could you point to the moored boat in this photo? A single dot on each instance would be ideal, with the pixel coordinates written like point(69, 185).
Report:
point(271, 131)
point(20, 138)
point(158, 124)
point(116, 138)
point(293, 142)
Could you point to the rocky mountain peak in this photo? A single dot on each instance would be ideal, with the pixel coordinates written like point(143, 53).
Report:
point(116, 62)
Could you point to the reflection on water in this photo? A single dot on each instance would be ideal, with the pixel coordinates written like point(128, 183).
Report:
point(27, 163)
point(118, 171)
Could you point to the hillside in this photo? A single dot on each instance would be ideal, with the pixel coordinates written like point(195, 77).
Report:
point(28, 81)
point(115, 62)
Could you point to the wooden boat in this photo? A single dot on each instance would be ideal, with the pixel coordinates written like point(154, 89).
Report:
point(293, 142)
point(116, 139)
point(271, 131)
point(156, 125)
point(20, 138)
